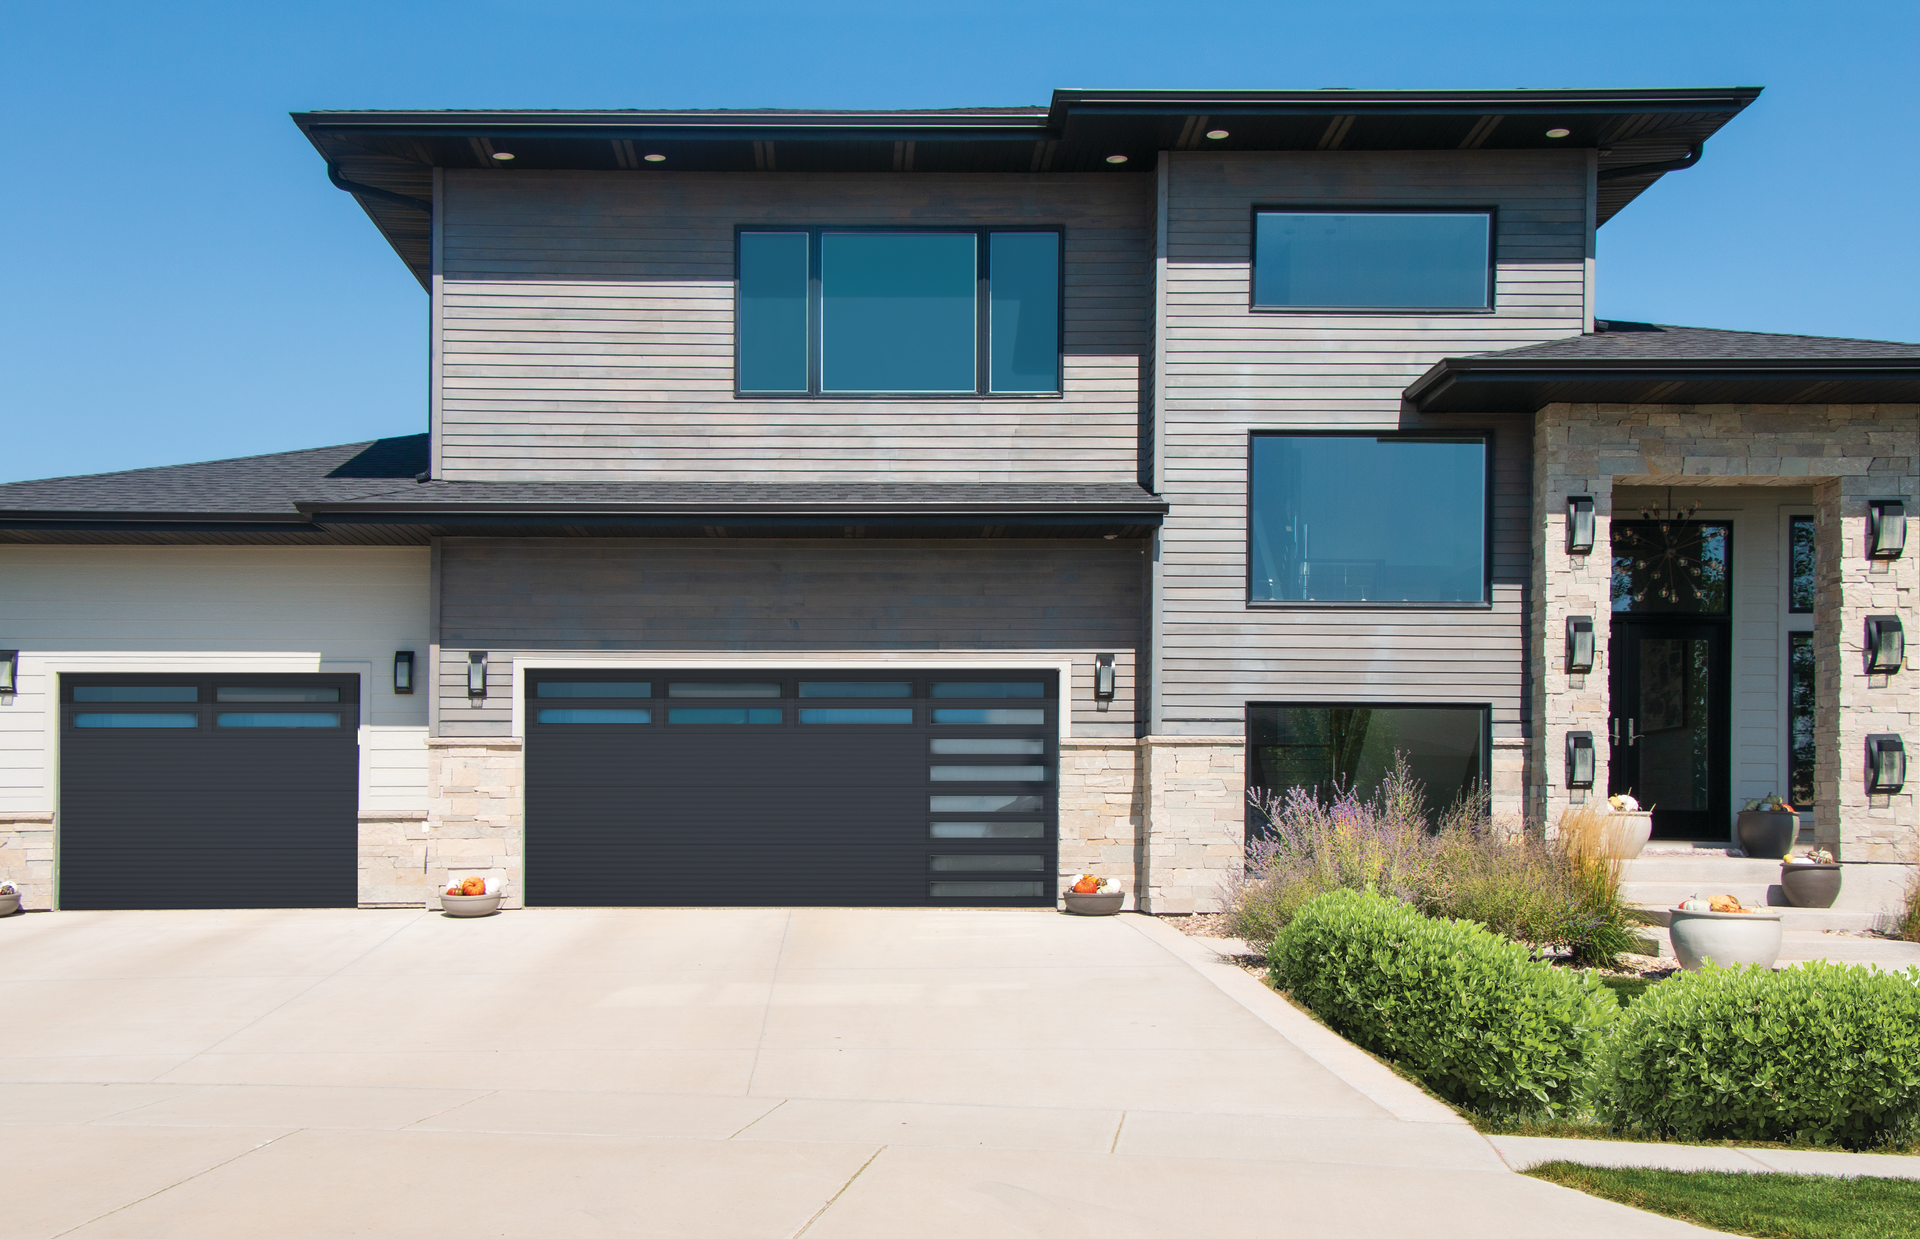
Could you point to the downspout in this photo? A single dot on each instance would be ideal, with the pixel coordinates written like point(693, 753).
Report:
point(368, 191)
point(1691, 158)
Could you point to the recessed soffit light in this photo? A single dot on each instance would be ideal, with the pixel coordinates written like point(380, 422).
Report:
point(1558, 133)
point(654, 158)
point(1116, 159)
point(1216, 134)
point(503, 156)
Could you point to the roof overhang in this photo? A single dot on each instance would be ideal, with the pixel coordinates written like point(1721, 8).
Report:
point(1636, 132)
point(1516, 385)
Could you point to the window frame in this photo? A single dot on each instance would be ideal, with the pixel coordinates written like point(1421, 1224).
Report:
point(1253, 256)
point(1487, 439)
point(983, 312)
point(1486, 726)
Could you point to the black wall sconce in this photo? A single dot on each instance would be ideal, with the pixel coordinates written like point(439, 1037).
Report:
point(9, 672)
point(1886, 644)
point(1886, 528)
point(1886, 764)
point(1579, 644)
point(1580, 759)
point(403, 671)
point(1579, 524)
point(1103, 678)
point(476, 673)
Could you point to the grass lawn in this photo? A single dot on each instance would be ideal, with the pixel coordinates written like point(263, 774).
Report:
point(1767, 1206)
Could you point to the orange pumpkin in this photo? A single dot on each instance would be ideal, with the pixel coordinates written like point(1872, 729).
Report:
point(1087, 886)
point(474, 886)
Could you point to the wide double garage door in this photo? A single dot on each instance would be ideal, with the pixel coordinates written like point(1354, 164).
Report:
point(208, 792)
point(791, 787)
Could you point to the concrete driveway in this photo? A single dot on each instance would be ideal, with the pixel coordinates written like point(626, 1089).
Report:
point(752, 1073)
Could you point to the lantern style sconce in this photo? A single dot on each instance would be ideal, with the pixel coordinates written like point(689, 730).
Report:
point(1579, 644)
point(1580, 759)
point(1886, 644)
point(1886, 528)
point(477, 673)
point(1886, 764)
point(403, 671)
point(1579, 524)
point(1103, 678)
point(9, 672)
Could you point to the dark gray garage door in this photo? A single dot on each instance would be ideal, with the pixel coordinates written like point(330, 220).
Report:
point(786, 787)
point(209, 792)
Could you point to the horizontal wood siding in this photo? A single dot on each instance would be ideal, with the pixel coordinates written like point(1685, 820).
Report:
point(588, 332)
point(785, 601)
point(1228, 371)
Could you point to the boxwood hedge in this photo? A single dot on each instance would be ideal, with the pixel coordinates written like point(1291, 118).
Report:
point(1473, 1014)
point(1819, 1052)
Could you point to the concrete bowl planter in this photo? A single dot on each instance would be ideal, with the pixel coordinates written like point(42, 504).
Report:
point(470, 905)
point(1765, 834)
point(9, 903)
point(1725, 938)
point(1627, 831)
point(1810, 885)
point(1095, 905)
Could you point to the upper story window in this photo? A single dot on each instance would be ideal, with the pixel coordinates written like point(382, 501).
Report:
point(891, 312)
point(1368, 519)
point(1372, 260)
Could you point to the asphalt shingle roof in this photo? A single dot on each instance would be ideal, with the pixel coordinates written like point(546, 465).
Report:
point(1615, 340)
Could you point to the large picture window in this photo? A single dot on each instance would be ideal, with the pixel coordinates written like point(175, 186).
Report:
point(871, 312)
point(1342, 747)
point(1368, 519)
point(1372, 260)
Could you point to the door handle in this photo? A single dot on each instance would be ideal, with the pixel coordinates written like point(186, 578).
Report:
point(1631, 737)
point(1613, 730)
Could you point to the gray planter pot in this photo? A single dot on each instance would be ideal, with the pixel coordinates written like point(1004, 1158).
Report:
point(1095, 905)
point(1627, 833)
point(9, 904)
point(1765, 835)
point(470, 905)
point(1726, 938)
point(1809, 885)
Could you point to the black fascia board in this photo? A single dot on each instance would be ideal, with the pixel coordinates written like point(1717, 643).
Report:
point(431, 512)
point(1400, 102)
point(1457, 384)
point(692, 517)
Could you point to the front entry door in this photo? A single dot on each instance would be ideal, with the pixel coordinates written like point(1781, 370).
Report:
point(1669, 726)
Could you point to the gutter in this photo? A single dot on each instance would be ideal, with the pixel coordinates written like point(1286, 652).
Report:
point(369, 191)
point(1691, 158)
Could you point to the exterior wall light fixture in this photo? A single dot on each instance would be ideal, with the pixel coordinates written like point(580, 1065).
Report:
point(476, 673)
point(1103, 678)
point(1886, 644)
point(9, 672)
point(1580, 759)
point(403, 671)
point(1579, 524)
point(1886, 528)
point(1579, 644)
point(1886, 764)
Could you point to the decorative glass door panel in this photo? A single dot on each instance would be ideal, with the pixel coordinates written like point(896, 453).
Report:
point(1669, 726)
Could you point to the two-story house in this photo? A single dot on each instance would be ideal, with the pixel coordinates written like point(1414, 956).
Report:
point(916, 507)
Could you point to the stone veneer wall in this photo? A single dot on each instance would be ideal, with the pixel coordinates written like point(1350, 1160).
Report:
point(26, 856)
point(395, 852)
point(1196, 821)
point(1848, 454)
point(476, 821)
point(1102, 817)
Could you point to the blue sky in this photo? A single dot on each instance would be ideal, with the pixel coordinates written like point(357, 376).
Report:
point(183, 284)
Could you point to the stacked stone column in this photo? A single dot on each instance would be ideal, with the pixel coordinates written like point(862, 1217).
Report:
point(475, 814)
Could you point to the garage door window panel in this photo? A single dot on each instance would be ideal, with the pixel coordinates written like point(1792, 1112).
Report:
point(598, 688)
point(274, 693)
point(136, 693)
point(604, 718)
point(149, 720)
point(285, 718)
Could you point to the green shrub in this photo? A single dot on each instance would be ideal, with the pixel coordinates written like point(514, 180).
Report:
point(1472, 1014)
point(1818, 1052)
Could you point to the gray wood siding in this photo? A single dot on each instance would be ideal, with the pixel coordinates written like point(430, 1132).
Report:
point(783, 601)
point(1227, 371)
point(587, 332)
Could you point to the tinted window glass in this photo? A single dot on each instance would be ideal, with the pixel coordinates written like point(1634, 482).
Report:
point(988, 774)
point(1340, 518)
point(135, 692)
point(616, 688)
point(1329, 747)
point(856, 716)
point(897, 312)
point(1024, 332)
point(1672, 566)
point(986, 890)
point(595, 716)
point(1021, 688)
point(980, 863)
point(991, 717)
point(1371, 259)
point(274, 692)
point(1800, 719)
point(723, 716)
point(287, 719)
point(1800, 565)
point(986, 830)
point(723, 690)
point(980, 744)
point(136, 720)
point(985, 804)
point(772, 311)
point(855, 688)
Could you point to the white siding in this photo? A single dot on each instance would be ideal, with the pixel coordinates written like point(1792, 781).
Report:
point(196, 609)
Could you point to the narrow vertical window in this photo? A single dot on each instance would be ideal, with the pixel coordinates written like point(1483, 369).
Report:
point(1024, 338)
point(1800, 565)
point(773, 311)
point(1800, 748)
point(899, 312)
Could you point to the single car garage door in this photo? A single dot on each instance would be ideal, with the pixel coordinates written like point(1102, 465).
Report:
point(731, 788)
point(209, 792)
